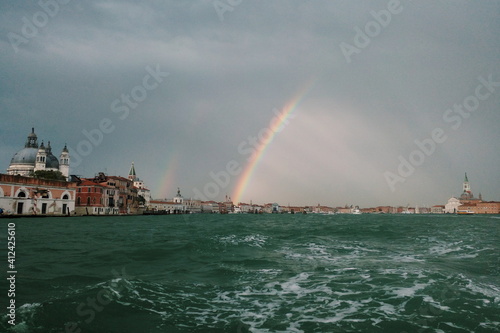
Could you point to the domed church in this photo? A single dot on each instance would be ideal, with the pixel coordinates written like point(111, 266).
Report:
point(34, 158)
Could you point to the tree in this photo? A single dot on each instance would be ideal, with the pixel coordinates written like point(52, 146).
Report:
point(49, 174)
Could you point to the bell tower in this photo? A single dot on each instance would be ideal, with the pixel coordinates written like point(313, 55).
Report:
point(466, 194)
point(131, 174)
point(64, 162)
point(466, 184)
point(31, 141)
point(41, 158)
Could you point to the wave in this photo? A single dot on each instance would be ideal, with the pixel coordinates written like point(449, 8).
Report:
point(274, 275)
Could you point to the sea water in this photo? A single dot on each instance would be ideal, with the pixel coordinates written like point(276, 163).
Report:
point(255, 273)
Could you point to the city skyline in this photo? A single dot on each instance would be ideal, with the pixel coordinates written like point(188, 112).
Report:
point(366, 103)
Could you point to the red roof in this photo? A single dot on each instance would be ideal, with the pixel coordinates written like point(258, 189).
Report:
point(86, 182)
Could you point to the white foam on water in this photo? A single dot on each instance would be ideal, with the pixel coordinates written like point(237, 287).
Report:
point(25, 313)
point(406, 258)
point(346, 293)
point(444, 249)
point(257, 305)
point(410, 291)
point(436, 304)
point(29, 307)
point(269, 272)
point(487, 290)
point(454, 326)
point(319, 255)
point(340, 313)
point(256, 240)
point(490, 324)
point(388, 309)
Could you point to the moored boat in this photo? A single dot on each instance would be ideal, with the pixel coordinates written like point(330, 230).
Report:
point(465, 212)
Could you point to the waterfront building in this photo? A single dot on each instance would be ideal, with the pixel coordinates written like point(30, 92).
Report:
point(209, 207)
point(95, 197)
point(127, 201)
point(452, 205)
point(344, 210)
point(20, 195)
point(483, 207)
point(467, 201)
point(34, 157)
point(245, 208)
point(383, 209)
point(323, 209)
point(176, 205)
point(272, 208)
point(142, 190)
point(437, 209)
point(226, 206)
point(105, 194)
point(291, 209)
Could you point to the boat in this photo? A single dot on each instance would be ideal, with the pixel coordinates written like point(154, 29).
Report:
point(356, 211)
point(465, 212)
point(237, 210)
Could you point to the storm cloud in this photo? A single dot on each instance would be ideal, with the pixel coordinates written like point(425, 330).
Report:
point(177, 86)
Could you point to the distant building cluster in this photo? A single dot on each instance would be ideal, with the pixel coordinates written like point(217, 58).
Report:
point(38, 183)
point(467, 203)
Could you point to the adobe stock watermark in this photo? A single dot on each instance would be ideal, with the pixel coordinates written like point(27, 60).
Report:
point(251, 146)
point(94, 305)
point(120, 106)
point(373, 28)
point(222, 6)
point(31, 26)
point(453, 116)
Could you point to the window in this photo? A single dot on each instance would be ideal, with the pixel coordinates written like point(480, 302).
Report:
point(65, 197)
point(21, 195)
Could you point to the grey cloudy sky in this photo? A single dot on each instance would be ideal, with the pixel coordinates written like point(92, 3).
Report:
point(65, 68)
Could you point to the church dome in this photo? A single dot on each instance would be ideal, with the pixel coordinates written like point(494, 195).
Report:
point(52, 162)
point(25, 156)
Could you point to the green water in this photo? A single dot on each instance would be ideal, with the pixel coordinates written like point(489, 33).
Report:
point(255, 273)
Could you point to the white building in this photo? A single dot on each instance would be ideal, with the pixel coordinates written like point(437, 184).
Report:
point(21, 195)
point(172, 206)
point(209, 207)
point(38, 158)
point(452, 205)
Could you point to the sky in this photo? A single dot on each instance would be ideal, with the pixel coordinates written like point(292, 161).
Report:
point(296, 102)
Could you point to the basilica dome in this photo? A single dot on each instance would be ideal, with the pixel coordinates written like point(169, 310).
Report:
point(25, 156)
point(52, 162)
point(24, 162)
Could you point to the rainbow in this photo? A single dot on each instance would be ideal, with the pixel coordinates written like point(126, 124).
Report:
point(259, 152)
point(167, 182)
